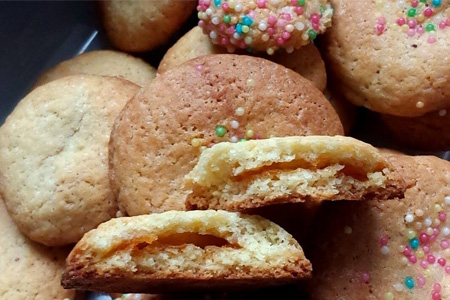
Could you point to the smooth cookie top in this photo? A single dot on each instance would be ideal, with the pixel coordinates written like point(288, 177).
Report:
point(264, 25)
point(160, 134)
point(391, 56)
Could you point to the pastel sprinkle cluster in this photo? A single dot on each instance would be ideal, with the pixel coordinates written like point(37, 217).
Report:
point(417, 19)
point(263, 25)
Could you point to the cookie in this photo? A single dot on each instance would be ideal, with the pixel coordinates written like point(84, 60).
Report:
point(264, 25)
point(395, 249)
point(30, 271)
point(427, 132)
point(185, 251)
point(305, 61)
point(158, 137)
point(54, 157)
point(104, 63)
point(143, 25)
point(389, 56)
point(288, 170)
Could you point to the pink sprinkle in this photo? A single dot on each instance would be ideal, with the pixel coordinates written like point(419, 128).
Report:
point(424, 264)
point(421, 281)
point(447, 269)
point(384, 240)
point(286, 35)
point(201, 23)
point(280, 41)
point(437, 287)
point(431, 40)
point(381, 20)
point(414, 3)
point(423, 238)
point(411, 32)
point(401, 21)
point(287, 16)
point(222, 27)
point(412, 23)
point(436, 296)
point(436, 231)
point(225, 6)
point(224, 41)
point(442, 25)
point(428, 12)
point(230, 30)
point(433, 238)
point(431, 259)
point(281, 23)
point(407, 251)
point(365, 277)
point(294, 2)
point(447, 22)
point(442, 262)
point(315, 18)
point(299, 10)
point(420, 30)
point(413, 259)
point(270, 31)
point(242, 45)
point(445, 244)
point(272, 20)
point(198, 67)
point(251, 14)
point(261, 3)
point(426, 249)
point(315, 26)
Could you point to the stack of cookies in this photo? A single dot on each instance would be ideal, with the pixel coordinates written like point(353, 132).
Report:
point(231, 173)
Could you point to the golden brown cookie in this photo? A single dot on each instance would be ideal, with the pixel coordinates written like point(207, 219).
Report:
point(160, 134)
point(104, 63)
point(30, 271)
point(390, 56)
point(305, 61)
point(237, 176)
point(54, 157)
point(428, 132)
point(185, 251)
point(143, 25)
point(397, 249)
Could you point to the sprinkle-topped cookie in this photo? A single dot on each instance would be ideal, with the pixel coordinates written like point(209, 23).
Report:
point(264, 25)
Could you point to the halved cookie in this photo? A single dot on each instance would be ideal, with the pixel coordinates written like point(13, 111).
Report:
point(176, 251)
point(235, 176)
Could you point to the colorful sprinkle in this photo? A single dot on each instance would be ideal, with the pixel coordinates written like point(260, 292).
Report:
point(220, 130)
point(409, 282)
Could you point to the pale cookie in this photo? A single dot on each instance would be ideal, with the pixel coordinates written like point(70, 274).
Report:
point(390, 56)
point(291, 169)
point(104, 63)
point(30, 271)
point(158, 137)
point(182, 251)
point(305, 61)
point(398, 249)
point(428, 132)
point(264, 25)
point(143, 25)
point(54, 157)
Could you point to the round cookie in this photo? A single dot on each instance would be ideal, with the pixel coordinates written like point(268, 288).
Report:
point(143, 25)
point(305, 61)
point(104, 63)
point(264, 25)
point(390, 56)
point(396, 249)
point(54, 157)
point(427, 132)
point(158, 137)
point(30, 271)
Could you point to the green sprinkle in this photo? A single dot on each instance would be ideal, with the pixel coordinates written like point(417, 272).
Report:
point(220, 131)
point(227, 18)
point(312, 34)
point(322, 10)
point(430, 27)
point(243, 140)
point(412, 12)
point(301, 2)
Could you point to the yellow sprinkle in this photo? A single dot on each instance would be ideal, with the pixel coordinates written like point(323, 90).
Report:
point(436, 222)
point(446, 252)
point(428, 273)
point(231, 3)
point(240, 111)
point(270, 51)
point(438, 207)
point(195, 142)
point(399, 13)
point(405, 28)
point(429, 231)
point(404, 260)
point(419, 104)
point(421, 18)
point(410, 234)
point(420, 253)
point(389, 296)
point(250, 82)
point(419, 212)
point(250, 133)
point(203, 148)
point(245, 28)
point(401, 248)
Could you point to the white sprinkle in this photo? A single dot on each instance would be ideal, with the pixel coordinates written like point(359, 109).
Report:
point(250, 82)
point(248, 40)
point(240, 111)
point(385, 250)
point(290, 49)
point(299, 26)
point(234, 139)
point(420, 104)
point(409, 218)
point(238, 7)
point(208, 11)
point(428, 222)
point(262, 26)
point(445, 231)
point(236, 35)
point(234, 124)
point(213, 35)
point(289, 28)
point(442, 112)
point(447, 200)
point(265, 37)
point(215, 20)
point(430, 231)
point(404, 260)
point(437, 222)
point(270, 51)
point(398, 286)
point(418, 225)
point(275, 2)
